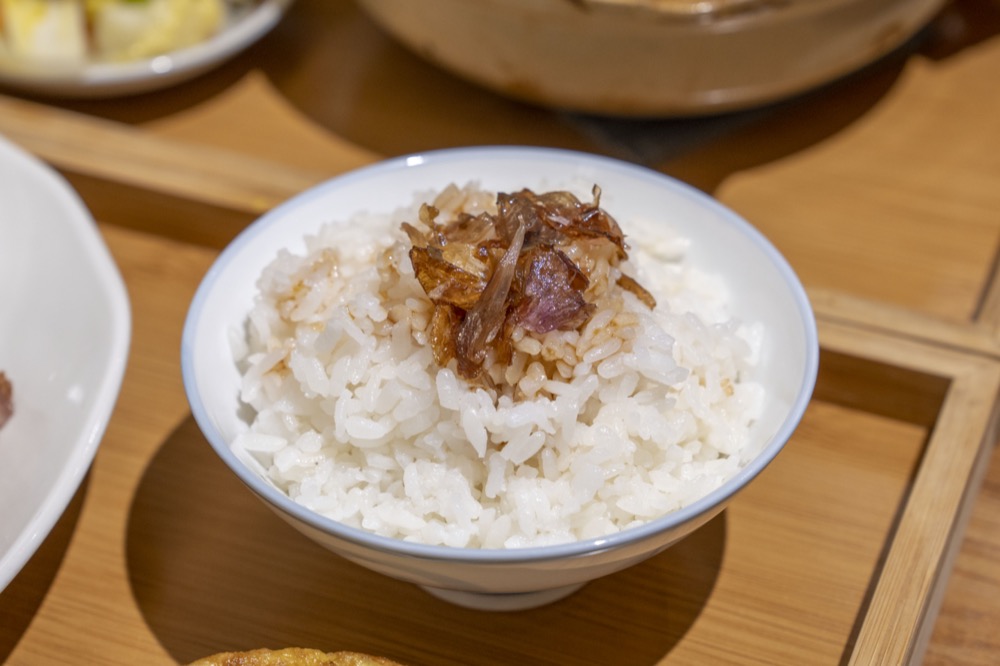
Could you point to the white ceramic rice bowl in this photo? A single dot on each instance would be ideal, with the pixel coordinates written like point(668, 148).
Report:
point(763, 288)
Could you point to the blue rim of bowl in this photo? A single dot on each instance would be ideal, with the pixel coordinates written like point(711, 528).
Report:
point(583, 547)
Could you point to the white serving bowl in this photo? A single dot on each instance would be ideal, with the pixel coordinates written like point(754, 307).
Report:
point(96, 78)
point(651, 57)
point(64, 337)
point(763, 289)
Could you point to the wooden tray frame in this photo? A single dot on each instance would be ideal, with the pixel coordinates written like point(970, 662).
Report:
point(947, 373)
point(906, 595)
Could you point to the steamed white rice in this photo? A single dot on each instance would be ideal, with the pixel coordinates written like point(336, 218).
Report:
point(636, 415)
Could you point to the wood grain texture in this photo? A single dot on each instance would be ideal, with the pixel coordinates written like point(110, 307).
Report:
point(82, 144)
point(898, 206)
point(880, 189)
point(963, 633)
point(171, 558)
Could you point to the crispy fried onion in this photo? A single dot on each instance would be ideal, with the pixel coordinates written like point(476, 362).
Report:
point(528, 265)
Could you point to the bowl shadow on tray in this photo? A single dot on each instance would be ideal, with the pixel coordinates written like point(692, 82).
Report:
point(22, 597)
point(213, 569)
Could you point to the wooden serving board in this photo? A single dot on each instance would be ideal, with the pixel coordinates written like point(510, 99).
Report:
point(880, 191)
point(839, 552)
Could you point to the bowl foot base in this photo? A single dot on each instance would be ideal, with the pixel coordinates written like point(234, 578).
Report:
point(502, 602)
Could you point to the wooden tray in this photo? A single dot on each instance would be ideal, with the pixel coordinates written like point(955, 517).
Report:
point(838, 554)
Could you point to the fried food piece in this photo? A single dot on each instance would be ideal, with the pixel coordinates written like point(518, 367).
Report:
point(292, 657)
point(6, 399)
point(49, 31)
point(127, 31)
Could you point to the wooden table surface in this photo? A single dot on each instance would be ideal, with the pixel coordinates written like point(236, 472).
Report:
point(882, 190)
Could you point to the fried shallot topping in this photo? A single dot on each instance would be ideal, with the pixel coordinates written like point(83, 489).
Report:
point(530, 265)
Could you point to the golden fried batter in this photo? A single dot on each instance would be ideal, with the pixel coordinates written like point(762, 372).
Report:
point(292, 657)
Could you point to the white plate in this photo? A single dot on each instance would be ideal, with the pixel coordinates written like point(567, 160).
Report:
point(65, 329)
point(105, 79)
